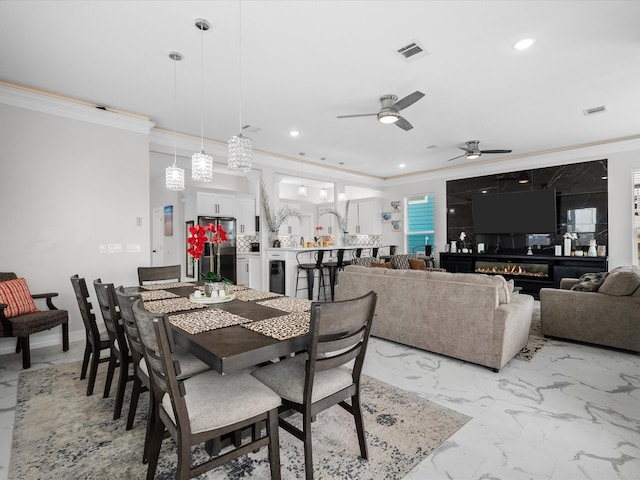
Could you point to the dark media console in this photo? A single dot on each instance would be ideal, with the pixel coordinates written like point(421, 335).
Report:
point(531, 272)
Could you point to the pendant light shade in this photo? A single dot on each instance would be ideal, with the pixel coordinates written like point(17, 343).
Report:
point(240, 148)
point(240, 153)
point(324, 194)
point(174, 175)
point(174, 178)
point(202, 163)
point(302, 190)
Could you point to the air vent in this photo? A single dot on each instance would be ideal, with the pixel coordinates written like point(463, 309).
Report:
point(431, 147)
point(594, 110)
point(412, 51)
point(251, 128)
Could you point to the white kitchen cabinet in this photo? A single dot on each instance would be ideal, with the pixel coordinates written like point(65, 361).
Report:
point(291, 226)
point(215, 204)
point(364, 217)
point(327, 221)
point(242, 274)
point(246, 216)
point(255, 272)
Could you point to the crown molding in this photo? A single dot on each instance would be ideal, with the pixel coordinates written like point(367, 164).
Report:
point(22, 97)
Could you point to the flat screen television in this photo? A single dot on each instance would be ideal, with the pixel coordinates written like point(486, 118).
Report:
point(517, 212)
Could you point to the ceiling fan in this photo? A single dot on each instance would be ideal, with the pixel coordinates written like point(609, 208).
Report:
point(390, 108)
point(472, 151)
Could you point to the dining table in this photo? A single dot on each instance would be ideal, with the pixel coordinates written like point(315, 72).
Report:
point(245, 328)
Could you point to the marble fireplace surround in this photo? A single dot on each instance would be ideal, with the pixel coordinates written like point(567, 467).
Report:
point(578, 186)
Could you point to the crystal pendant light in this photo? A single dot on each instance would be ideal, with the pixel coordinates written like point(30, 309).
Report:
point(174, 175)
point(202, 163)
point(302, 190)
point(240, 148)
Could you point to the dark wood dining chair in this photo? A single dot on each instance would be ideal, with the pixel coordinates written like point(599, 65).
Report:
point(167, 273)
point(97, 340)
point(189, 364)
point(120, 356)
point(320, 378)
point(204, 407)
point(32, 320)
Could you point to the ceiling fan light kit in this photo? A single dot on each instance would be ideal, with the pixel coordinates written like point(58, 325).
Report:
point(390, 108)
point(472, 151)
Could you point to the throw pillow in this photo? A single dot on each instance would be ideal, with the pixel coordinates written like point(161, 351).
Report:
point(401, 262)
point(590, 282)
point(416, 264)
point(15, 293)
point(381, 265)
point(363, 262)
point(621, 281)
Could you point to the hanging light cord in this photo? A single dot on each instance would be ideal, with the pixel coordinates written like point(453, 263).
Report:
point(175, 109)
point(240, 66)
point(202, 87)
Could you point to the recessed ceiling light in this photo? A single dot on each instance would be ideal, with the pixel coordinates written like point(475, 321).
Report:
point(524, 43)
point(294, 133)
point(402, 165)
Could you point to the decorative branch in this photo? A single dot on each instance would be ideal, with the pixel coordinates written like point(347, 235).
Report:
point(275, 219)
point(343, 220)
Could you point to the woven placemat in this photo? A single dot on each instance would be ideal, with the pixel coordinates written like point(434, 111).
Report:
point(205, 320)
point(250, 295)
point(171, 305)
point(160, 286)
point(282, 328)
point(157, 295)
point(288, 304)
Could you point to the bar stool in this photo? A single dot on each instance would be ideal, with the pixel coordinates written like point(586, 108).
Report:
point(311, 269)
point(334, 267)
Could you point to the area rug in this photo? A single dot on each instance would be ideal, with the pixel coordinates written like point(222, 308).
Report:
point(61, 433)
point(536, 339)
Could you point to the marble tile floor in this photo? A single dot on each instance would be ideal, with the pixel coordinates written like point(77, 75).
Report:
point(573, 412)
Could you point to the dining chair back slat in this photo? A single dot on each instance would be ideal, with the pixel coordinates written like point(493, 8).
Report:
point(165, 273)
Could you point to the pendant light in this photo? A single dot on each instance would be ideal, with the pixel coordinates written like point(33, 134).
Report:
point(302, 190)
point(202, 163)
point(174, 176)
point(240, 148)
point(324, 193)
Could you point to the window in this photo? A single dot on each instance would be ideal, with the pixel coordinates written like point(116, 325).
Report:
point(420, 223)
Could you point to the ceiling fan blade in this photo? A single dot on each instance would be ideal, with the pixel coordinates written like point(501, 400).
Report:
point(495, 151)
point(408, 100)
point(455, 158)
point(358, 115)
point(403, 124)
point(465, 148)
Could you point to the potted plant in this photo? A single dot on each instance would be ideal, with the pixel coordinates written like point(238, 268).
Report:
point(275, 219)
point(214, 235)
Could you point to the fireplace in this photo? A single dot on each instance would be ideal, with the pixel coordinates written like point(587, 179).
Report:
point(513, 268)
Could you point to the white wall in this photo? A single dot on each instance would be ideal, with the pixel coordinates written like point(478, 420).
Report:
point(67, 186)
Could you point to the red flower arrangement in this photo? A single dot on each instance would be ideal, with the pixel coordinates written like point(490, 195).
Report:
point(198, 237)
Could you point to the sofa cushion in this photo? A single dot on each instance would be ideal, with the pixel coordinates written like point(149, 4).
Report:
point(16, 295)
point(381, 265)
point(401, 262)
point(590, 282)
point(621, 281)
point(363, 262)
point(417, 264)
point(498, 281)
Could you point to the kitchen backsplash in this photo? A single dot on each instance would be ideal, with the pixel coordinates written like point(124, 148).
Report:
point(244, 241)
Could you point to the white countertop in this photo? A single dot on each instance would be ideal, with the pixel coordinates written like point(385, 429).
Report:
point(247, 254)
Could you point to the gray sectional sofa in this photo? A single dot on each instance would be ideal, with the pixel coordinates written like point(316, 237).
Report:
point(601, 309)
point(472, 317)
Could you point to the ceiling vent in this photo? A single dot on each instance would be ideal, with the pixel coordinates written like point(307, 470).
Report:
point(412, 51)
point(594, 110)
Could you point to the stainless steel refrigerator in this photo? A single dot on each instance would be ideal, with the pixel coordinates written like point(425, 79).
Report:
point(227, 249)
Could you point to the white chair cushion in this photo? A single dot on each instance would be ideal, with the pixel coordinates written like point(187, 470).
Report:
point(214, 400)
point(286, 378)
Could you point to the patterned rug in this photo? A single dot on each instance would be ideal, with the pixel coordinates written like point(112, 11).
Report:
point(61, 433)
point(536, 339)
